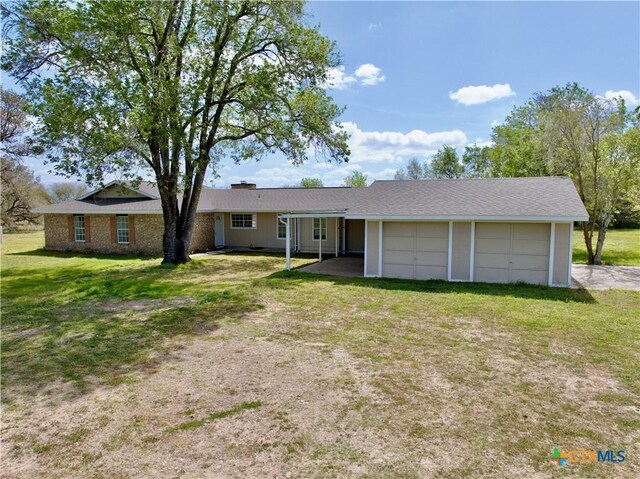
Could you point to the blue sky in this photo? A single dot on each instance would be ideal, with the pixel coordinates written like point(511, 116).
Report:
point(427, 51)
point(419, 75)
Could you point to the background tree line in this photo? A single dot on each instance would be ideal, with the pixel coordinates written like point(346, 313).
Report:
point(355, 179)
point(21, 188)
point(566, 131)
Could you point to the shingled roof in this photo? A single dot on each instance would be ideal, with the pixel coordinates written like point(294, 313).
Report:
point(282, 199)
point(551, 198)
point(473, 198)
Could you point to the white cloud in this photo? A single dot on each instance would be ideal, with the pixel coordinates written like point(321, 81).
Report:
point(331, 174)
point(629, 98)
point(369, 74)
point(373, 26)
point(338, 79)
point(366, 74)
point(396, 147)
point(376, 153)
point(474, 95)
point(385, 174)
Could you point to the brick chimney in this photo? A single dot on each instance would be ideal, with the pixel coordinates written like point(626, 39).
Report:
point(243, 185)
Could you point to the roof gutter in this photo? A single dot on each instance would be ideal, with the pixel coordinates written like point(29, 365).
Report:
point(101, 212)
point(510, 218)
point(317, 214)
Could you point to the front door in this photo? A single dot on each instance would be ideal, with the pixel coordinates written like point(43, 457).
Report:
point(354, 236)
point(219, 230)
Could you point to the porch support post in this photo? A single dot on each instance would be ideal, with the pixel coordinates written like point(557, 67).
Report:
point(344, 235)
point(366, 245)
point(320, 242)
point(552, 250)
point(472, 251)
point(288, 241)
point(337, 236)
point(380, 249)
point(449, 248)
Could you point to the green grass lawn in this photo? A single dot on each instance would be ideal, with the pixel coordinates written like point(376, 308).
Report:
point(621, 248)
point(230, 367)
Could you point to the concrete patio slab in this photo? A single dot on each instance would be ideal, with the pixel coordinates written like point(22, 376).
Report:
point(347, 266)
point(606, 277)
point(583, 276)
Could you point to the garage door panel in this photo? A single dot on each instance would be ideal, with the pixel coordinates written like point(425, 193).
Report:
point(504, 252)
point(490, 245)
point(397, 243)
point(533, 262)
point(431, 272)
point(432, 244)
point(493, 231)
point(399, 229)
point(531, 231)
point(492, 275)
point(398, 257)
point(537, 247)
point(432, 230)
point(491, 260)
point(512, 252)
point(431, 259)
point(398, 271)
point(415, 250)
point(528, 276)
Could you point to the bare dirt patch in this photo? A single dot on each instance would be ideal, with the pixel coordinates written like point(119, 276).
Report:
point(304, 404)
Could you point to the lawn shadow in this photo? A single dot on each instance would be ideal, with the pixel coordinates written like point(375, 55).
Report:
point(41, 252)
point(85, 325)
point(518, 290)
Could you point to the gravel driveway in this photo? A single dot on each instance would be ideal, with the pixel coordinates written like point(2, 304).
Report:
point(606, 277)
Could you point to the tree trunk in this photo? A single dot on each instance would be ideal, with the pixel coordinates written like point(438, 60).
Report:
point(602, 232)
point(586, 231)
point(173, 246)
point(178, 228)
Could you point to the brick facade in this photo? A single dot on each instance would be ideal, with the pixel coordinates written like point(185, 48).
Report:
point(203, 237)
point(147, 234)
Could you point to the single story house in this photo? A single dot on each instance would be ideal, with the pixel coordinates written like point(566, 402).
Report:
point(501, 230)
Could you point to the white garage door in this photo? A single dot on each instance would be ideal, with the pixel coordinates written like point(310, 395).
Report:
point(512, 252)
point(415, 250)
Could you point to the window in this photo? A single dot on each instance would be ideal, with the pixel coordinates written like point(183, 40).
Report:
point(282, 230)
point(319, 225)
point(122, 229)
point(79, 232)
point(243, 220)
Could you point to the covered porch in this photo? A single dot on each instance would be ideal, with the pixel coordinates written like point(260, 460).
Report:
point(347, 266)
point(326, 233)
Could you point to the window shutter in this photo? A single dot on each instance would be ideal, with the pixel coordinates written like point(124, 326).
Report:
point(87, 229)
point(113, 229)
point(132, 229)
point(70, 223)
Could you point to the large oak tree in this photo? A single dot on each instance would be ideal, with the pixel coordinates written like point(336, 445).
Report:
point(170, 86)
point(570, 131)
